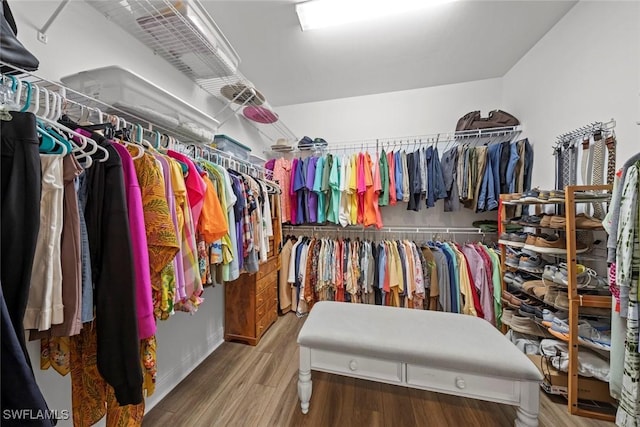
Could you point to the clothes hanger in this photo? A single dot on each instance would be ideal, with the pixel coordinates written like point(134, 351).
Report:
point(78, 140)
point(122, 123)
point(8, 101)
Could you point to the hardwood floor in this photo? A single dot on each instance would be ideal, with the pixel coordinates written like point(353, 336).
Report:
point(239, 385)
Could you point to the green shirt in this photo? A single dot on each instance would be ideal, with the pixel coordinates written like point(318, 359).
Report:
point(384, 180)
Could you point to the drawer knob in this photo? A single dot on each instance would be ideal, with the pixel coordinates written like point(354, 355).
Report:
point(460, 383)
point(353, 365)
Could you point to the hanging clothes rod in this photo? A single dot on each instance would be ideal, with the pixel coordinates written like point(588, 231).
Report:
point(97, 109)
point(586, 131)
point(400, 229)
point(503, 133)
point(225, 159)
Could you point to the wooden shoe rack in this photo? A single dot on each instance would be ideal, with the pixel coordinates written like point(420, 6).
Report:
point(576, 301)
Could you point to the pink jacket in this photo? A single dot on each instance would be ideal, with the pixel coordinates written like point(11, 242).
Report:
point(144, 301)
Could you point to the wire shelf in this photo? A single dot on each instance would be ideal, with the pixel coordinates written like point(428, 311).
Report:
point(185, 35)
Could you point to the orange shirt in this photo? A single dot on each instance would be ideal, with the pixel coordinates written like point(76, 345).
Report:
point(213, 220)
point(370, 200)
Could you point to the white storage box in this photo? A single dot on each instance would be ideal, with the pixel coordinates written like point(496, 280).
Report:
point(133, 94)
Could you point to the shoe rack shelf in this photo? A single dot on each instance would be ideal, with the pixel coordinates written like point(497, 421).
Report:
point(576, 301)
point(574, 195)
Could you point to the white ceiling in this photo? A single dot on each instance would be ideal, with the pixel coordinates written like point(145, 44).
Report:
point(449, 43)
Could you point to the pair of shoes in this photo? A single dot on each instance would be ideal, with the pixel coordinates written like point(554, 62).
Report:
point(530, 220)
point(507, 314)
point(510, 300)
point(591, 195)
point(548, 316)
point(582, 221)
point(532, 195)
point(583, 276)
point(549, 273)
point(531, 263)
point(535, 287)
point(511, 197)
point(553, 244)
point(517, 280)
point(545, 222)
point(513, 239)
point(513, 258)
point(590, 334)
point(556, 196)
point(531, 310)
point(557, 298)
point(526, 325)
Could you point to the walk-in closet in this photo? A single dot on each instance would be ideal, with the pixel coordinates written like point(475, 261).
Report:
point(319, 213)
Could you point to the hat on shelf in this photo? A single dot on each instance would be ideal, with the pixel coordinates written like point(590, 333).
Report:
point(305, 142)
point(282, 144)
point(319, 142)
point(260, 114)
point(242, 94)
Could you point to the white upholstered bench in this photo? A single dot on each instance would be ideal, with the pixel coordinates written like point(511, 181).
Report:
point(441, 352)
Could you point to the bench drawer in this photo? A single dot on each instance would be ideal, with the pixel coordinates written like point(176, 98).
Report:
point(463, 384)
point(356, 366)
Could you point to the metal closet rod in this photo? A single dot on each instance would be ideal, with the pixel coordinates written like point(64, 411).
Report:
point(434, 138)
point(404, 229)
point(217, 156)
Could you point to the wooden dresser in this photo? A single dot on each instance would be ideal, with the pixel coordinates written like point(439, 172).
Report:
point(251, 301)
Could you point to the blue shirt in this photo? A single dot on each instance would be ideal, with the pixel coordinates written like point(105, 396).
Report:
point(397, 160)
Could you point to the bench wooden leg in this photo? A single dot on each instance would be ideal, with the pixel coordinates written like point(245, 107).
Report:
point(527, 414)
point(304, 379)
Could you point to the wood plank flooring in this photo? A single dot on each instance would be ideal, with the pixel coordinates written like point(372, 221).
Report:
point(239, 385)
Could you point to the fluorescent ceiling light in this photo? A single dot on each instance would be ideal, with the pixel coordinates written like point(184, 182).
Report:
point(328, 13)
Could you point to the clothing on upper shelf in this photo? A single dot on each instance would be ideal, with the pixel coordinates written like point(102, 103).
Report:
point(126, 241)
point(437, 275)
point(350, 189)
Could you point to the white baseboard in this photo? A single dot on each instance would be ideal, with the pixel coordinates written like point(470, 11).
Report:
point(171, 378)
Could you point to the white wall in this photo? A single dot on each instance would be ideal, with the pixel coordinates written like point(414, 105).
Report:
point(397, 114)
point(585, 69)
point(82, 39)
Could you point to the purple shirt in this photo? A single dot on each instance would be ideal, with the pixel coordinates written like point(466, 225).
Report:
point(144, 302)
point(312, 198)
point(292, 192)
point(298, 188)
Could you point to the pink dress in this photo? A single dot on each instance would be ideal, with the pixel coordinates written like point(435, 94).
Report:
point(144, 301)
point(196, 187)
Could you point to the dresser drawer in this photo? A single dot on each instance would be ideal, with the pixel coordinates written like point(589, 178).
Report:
point(463, 384)
point(356, 366)
point(266, 320)
point(267, 295)
point(263, 309)
point(267, 268)
point(269, 281)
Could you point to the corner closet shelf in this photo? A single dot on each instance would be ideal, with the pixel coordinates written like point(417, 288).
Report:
point(575, 300)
